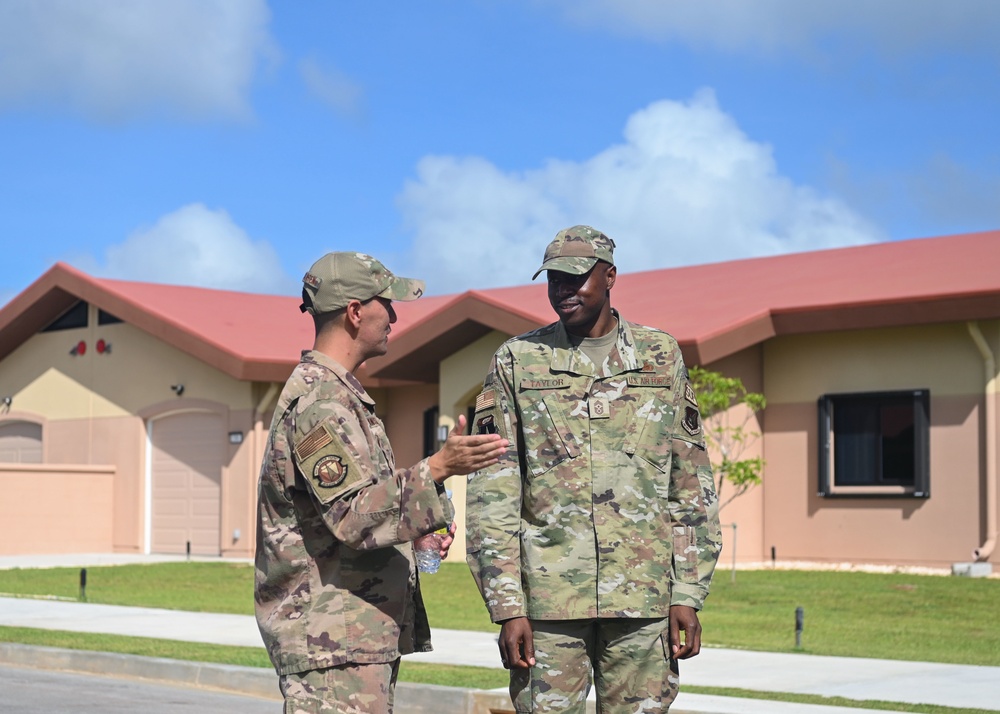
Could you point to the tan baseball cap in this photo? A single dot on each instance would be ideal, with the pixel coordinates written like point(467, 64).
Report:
point(576, 250)
point(337, 278)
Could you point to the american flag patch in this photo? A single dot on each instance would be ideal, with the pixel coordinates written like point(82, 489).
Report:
point(486, 400)
point(313, 442)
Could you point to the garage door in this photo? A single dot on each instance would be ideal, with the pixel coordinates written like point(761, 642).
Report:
point(20, 442)
point(187, 460)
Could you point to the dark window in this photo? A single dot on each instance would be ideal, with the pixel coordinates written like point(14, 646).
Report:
point(76, 316)
point(875, 443)
point(430, 431)
point(106, 318)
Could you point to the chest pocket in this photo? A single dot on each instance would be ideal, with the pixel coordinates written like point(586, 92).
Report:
point(544, 402)
point(648, 435)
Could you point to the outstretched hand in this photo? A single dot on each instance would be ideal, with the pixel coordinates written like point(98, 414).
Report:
point(462, 454)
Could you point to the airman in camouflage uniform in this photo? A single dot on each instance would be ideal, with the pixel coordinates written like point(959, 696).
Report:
point(337, 593)
point(594, 538)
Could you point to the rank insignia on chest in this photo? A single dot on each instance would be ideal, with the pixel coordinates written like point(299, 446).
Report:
point(600, 408)
point(330, 471)
point(692, 422)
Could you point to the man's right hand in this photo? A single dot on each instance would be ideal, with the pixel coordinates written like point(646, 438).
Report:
point(462, 454)
point(517, 643)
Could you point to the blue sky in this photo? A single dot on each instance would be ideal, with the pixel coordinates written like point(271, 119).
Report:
point(229, 143)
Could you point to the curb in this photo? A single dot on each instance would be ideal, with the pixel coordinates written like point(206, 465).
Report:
point(411, 698)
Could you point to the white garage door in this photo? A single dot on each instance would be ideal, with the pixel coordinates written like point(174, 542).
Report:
point(187, 460)
point(20, 442)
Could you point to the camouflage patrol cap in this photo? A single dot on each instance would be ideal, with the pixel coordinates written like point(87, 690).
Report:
point(576, 250)
point(337, 278)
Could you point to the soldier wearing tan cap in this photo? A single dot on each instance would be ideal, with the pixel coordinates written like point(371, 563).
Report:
point(594, 538)
point(337, 593)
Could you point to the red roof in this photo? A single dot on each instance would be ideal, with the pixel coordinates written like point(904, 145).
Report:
point(713, 310)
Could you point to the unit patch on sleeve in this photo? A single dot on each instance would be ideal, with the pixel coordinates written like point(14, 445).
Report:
point(486, 425)
point(692, 422)
point(327, 464)
point(488, 418)
point(689, 394)
point(330, 471)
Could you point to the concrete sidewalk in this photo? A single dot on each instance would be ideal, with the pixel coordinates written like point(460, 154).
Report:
point(964, 686)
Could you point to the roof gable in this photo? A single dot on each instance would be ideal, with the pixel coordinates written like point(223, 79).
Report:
point(713, 310)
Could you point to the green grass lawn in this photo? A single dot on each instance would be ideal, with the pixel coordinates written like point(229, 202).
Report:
point(888, 616)
point(908, 617)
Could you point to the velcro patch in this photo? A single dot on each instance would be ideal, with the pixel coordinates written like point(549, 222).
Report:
point(486, 400)
point(647, 380)
point(599, 408)
point(313, 441)
point(487, 424)
point(326, 463)
point(691, 422)
point(557, 383)
point(330, 471)
point(689, 394)
point(311, 280)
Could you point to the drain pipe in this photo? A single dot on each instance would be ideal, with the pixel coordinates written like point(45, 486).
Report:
point(984, 551)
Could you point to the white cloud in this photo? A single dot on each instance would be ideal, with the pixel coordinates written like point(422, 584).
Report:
point(111, 60)
point(770, 26)
point(332, 87)
point(195, 246)
point(686, 187)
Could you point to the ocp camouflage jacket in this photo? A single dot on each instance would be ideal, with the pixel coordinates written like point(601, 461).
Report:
point(604, 505)
point(335, 576)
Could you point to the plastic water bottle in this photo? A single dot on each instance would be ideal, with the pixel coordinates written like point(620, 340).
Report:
point(427, 548)
point(427, 551)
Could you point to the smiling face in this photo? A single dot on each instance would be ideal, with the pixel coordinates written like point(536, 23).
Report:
point(583, 302)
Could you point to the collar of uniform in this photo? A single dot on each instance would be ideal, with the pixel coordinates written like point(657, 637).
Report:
point(350, 381)
point(566, 358)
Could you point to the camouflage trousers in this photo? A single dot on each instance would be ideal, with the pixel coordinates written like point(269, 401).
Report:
point(627, 659)
point(345, 689)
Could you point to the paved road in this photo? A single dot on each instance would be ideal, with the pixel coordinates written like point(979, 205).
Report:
point(36, 691)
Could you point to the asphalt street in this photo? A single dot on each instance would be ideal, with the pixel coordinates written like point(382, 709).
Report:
point(38, 691)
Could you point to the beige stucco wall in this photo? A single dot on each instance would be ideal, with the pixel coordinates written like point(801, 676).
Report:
point(44, 378)
point(404, 420)
point(94, 409)
point(935, 531)
point(461, 380)
point(77, 498)
point(743, 517)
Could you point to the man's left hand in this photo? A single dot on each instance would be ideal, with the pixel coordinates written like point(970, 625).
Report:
point(447, 540)
point(684, 619)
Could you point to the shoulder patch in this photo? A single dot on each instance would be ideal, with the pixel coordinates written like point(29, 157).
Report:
point(691, 422)
point(486, 400)
point(330, 471)
point(313, 441)
point(327, 464)
point(689, 394)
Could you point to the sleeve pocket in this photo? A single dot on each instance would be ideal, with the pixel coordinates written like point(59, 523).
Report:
point(685, 555)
